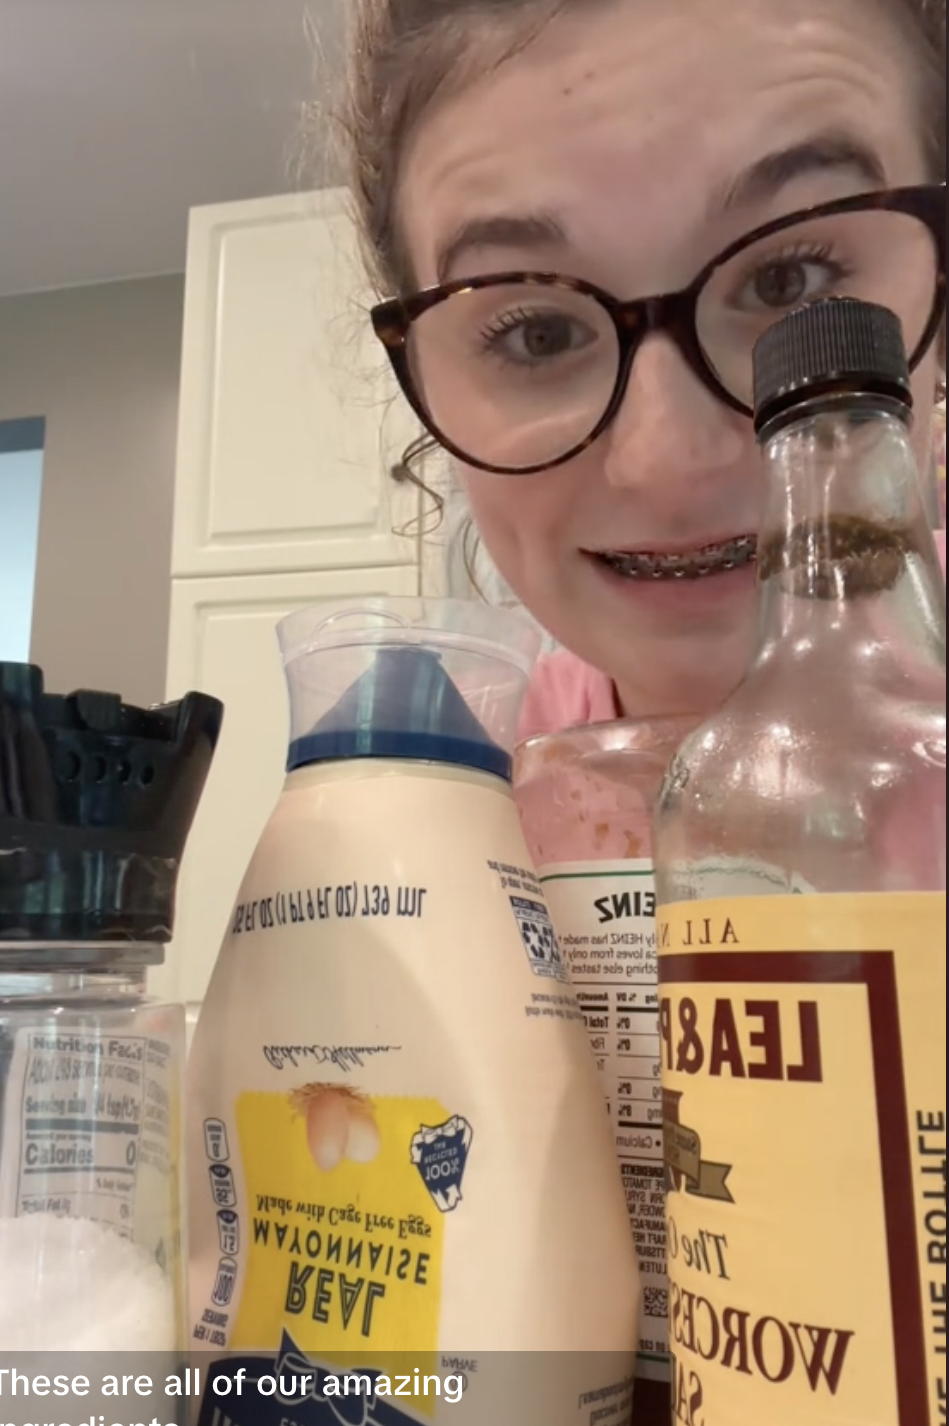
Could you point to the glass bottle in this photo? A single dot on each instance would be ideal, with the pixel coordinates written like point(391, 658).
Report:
point(586, 798)
point(801, 871)
point(96, 802)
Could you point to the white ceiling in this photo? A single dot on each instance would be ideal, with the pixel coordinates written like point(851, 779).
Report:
point(117, 116)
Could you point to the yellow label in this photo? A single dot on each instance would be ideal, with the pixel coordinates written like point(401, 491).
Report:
point(803, 1044)
point(346, 1197)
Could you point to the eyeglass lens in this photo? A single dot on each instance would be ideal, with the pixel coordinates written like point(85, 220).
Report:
point(516, 376)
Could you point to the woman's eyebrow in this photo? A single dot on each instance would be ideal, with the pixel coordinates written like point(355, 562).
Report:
point(528, 230)
point(823, 153)
point(761, 182)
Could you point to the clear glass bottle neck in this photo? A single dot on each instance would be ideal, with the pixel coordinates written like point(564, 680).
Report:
point(848, 567)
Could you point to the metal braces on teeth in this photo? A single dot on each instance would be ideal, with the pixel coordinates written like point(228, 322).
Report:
point(723, 560)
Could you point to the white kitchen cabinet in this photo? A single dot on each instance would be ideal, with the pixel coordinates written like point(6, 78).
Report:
point(223, 642)
point(289, 426)
point(290, 421)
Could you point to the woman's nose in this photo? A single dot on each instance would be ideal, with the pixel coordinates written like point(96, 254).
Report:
point(671, 428)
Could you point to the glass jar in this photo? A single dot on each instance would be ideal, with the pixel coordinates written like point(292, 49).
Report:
point(96, 802)
point(586, 798)
point(91, 1241)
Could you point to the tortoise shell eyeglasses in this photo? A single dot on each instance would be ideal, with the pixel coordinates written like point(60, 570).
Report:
point(519, 372)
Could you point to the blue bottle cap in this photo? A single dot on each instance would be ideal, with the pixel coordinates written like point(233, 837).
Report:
point(423, 680)
point(404, 706)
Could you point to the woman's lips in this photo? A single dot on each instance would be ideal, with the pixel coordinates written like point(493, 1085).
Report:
point(721, 557)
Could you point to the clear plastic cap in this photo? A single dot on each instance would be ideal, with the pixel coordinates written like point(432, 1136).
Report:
point(424, 680)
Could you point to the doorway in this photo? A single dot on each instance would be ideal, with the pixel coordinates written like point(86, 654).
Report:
point(22, 449)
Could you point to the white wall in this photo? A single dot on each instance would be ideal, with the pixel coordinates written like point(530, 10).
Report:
point(21, 489)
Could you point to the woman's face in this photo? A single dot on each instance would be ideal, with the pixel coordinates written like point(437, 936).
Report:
point(627, 145)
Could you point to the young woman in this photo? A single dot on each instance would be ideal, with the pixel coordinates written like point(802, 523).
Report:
point(636, 150)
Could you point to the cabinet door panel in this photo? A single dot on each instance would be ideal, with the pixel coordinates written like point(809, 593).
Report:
point(223, 642)
point(290, 423)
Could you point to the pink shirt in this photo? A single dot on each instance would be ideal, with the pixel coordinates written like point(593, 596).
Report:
point(567, 693)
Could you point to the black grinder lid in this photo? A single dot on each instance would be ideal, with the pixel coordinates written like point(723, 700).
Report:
point(97, 800)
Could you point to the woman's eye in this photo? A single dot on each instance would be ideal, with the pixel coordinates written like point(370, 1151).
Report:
point(538, 338)
point(790, 282)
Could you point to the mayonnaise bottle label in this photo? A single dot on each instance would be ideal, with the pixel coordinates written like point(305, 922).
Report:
point(400, 1158)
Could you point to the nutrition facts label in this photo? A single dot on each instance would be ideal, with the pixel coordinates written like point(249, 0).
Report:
point(93, 1111)
point(604, 916)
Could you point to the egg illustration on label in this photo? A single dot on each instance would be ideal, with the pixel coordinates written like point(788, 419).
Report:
point(340, 1124)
